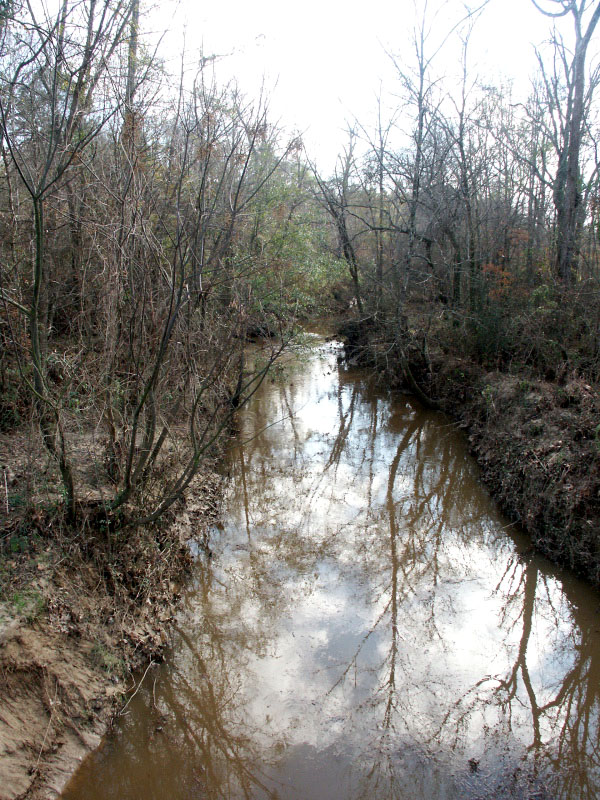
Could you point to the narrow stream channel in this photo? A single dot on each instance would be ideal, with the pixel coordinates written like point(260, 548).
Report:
point(368, 626)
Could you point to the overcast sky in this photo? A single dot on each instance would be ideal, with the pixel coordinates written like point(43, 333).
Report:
point(325, 60)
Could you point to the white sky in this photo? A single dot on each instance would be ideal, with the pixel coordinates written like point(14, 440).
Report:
point(324, 60)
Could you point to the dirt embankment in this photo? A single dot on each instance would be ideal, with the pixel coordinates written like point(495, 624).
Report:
point(80, 616)
point(537, 442)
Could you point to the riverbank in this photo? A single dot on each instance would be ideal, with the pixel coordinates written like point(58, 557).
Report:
point(82, 620)
point(536, 441)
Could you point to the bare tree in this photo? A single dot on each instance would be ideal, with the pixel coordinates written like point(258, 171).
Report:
point(336, 199)
point(57, 63)
point(570, 119)
point(146, 205)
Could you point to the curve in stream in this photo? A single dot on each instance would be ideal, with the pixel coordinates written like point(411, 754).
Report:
point(368, 625)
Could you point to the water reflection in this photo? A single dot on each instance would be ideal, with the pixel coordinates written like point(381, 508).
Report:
point(368, 626)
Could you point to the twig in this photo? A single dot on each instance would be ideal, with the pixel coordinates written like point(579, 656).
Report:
point(52, 704)
point(37, 763)
point(154, 695)
point(122, 711)
point(6, 491)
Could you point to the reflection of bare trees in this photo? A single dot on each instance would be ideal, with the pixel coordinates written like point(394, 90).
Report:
point(411, 557)
point(345, 420)
point(201, 706)
point(186, 734)
point(386, 496)
point(424, 527)
point(563, 719)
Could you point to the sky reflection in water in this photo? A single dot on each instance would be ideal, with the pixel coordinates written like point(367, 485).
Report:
point(367, 626)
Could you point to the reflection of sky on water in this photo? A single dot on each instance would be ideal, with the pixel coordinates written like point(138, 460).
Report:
point(329, 669)
point(366, 626)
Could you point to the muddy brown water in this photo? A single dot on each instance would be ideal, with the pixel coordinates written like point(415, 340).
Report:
point(368, 625)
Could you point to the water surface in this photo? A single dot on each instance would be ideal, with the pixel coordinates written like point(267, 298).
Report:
point(368, 625)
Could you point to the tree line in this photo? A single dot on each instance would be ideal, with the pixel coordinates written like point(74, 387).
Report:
point(150, 224)
point(136, 225)
point(486, 208)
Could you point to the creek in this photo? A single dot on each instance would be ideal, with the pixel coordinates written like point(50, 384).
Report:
point(368, 625)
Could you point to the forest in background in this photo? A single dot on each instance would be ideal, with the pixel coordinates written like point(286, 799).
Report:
point(146, 235)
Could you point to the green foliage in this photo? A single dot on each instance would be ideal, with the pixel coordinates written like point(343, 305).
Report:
point(18, 543)
point(492, 335)
point(299, 286)
point(597, 438)
point(102, 657)
point(543, 297)
point(488, 395)
point(17, 500)
point(28, 604)
point(15, 400)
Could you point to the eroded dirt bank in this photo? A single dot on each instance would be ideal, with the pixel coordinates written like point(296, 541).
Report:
point(537, 442)
point(81, 623)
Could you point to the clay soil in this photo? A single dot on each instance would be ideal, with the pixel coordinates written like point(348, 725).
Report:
point(536, 444)
point(82, 619)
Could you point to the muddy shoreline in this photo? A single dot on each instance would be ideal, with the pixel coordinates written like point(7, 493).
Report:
point(79, 627)
point(536, 442)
